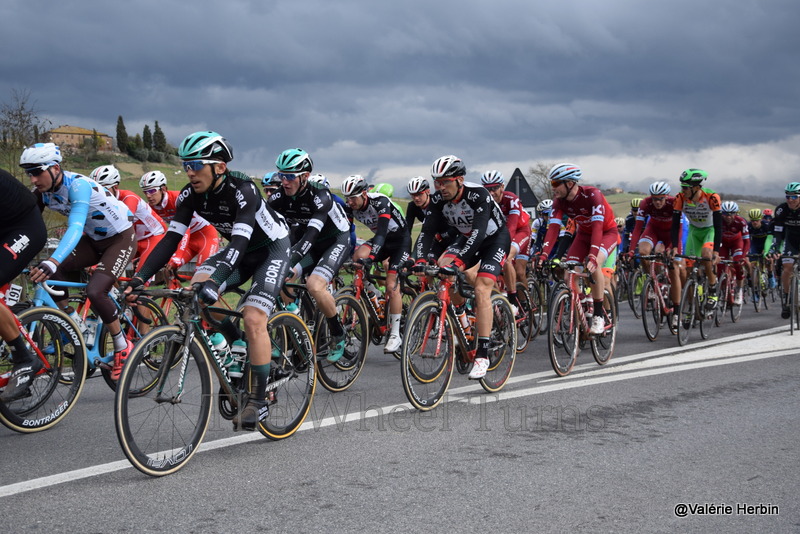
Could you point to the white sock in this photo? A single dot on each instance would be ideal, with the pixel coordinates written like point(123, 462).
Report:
point(394, 321)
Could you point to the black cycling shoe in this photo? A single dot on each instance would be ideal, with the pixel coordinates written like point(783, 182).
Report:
point(785, 312)
point(253, 412)
point(20, 380)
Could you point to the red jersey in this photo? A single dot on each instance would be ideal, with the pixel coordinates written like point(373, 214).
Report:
point(590, 211)
point(659, 219)
point(734, 231)
point(167, 211)
point(145, 221)
point(516, 218)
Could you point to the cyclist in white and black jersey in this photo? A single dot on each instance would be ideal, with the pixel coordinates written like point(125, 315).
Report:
point(483, 242)
point(786, 233)
point(391, 241)
point(99, 232)
point(418, 209)
point(323, 247)
point(258, 249)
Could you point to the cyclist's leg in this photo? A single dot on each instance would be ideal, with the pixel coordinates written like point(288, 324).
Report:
point(491, 255)
point(329, 259)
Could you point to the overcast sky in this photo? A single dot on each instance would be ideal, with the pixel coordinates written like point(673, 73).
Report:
point(632, 91)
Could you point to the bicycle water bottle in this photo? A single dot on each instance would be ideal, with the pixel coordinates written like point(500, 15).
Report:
point(587, 302)
point(239, 354)
point(77, 318)
point(91, 331)
point(221, 348)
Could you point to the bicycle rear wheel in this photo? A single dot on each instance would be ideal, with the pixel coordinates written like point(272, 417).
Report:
point(723, 299)
point(340, 375)
point(525, 323)
point(503, 344)
point(758, 289)
point(603, 345)
point(794, 305)
point(56, 388)
point(537, 309)
point(160, 426)
point(651, 309)
point(428, 355)
point(562, 333)
point(687, 311)
point(635, 285)
point(293, 376)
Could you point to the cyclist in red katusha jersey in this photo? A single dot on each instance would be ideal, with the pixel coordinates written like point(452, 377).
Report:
point(519, 227)
point(596, 235)
point(735, 244)
point(653, 230)
point(202, 239)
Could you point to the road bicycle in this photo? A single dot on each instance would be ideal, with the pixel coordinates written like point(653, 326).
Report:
point(569, 327)
point(437, 340)
point(793, 298)
point(635, 285)
point(523, 313)
point(55, 340)
point(99, 345)
point(693, 309)
point(162, 412)
point(728, 293)
point(656, 306)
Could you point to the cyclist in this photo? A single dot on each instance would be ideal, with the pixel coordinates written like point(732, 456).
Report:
point(630, 223)
point(539, 224)
point(519, 228)
point(105, 239)
point(420, 191)
point(596, 236)
point(23, 234)
point(258, 249)
point(702, 209)
point(147, 224)
point(323, 181)
point(391, 241)
point(735, 241)
point(760, 243)
point(322, 248)
point(786, 232)
point(481, 245)
point(270, 183)
point(200, 242)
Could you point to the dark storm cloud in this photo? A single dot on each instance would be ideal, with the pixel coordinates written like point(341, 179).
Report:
point(365, 85)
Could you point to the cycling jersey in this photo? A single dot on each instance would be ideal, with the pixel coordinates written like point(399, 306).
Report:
point(415, 213)
point(656, 223)
point(318, 216)
point(238, 212)
point(591, 213)
point(786, 228)
point(702, 212)
point(22, 229)
point(381, 216)
point(169, 204)
point(90, 208)
point(145, 221)
point(760, 238)
point(735, 238)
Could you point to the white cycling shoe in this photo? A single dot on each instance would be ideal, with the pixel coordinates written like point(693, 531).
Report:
point(393, 344)
point(479, 368)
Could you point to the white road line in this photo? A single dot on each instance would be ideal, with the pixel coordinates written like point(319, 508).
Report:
point(738, 349)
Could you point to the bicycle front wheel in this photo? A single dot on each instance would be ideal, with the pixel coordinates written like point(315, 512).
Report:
point(687, 311)
point(635, 285)
point(428, 355)
point(160, 425)
point(525, 324)
point(293, 376)
point(502, 346)
point(55, 389)
point(651, 309)
point(562, 333)
point(603, 344)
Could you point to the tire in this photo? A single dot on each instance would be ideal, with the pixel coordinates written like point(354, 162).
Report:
point(736, 309)
point(758, 289)
point(158, 436)
point(428, 354)
point(703, 319)
point(503, 344)
point(293, 376)
point(603, 345)
point(635, 284)
point(723, 295)
point(562, 333)
point(342, 374)
point(687, 311)
point(538, 316)
point(651, 309)
point(409, 294)
point(524, 324)
point(794, 306)
point(55, 389)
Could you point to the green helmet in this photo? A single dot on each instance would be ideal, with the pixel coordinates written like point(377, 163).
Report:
point(793, 188)
point(205, 145)
point(294, 160)
point(384, 189)
point(693, 177)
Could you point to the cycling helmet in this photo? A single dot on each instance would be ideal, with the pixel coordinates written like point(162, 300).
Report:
point(493, 178)
point(107, 176)
point(767, 212)
point(319, 179)
point(730, 206)
point(754, 214)
point(417, 184)
point(620, 221)
point(562, 172)
point(152, 179)
point(354, 185)
point(448, 167)
point(793, 188)
point(40, 154)
point(635, 202)
point(660, 188)
point(545, 206)
point(294, 160)
point(271, 179)
point(693, 177)
point(205, 145)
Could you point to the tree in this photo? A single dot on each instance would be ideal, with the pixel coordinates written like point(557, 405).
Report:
point(122, 136)
point(538, 180)
point(147, 138)
point(159, 139)
point(20, 126)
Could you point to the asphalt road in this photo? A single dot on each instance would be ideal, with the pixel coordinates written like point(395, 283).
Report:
point(662, 439)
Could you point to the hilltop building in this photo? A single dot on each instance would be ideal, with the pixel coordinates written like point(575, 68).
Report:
point(75, 137)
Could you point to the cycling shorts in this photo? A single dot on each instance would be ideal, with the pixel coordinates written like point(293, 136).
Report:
point(698, 239)
point(327, 257)
point(491, 255)
point(395, 250)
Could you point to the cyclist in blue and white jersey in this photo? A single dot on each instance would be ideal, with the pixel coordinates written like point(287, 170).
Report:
point(99, 232)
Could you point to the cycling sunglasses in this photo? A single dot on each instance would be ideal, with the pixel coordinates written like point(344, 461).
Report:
point(492, 188)
point(289, 176)
point(197, 164)
point(792, 197)
point(150, 191)
point(36, 171)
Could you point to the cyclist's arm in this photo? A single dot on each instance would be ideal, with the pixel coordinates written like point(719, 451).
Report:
point(676, 228)
point(717, 218)
point(79, 194)
point(430, 227)
point(553, 229)
point(163, 251)
point(323, 203)
point(243, 227)
point(637, 232)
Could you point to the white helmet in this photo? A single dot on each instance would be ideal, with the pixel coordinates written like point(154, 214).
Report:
point(40, 154)
point(493, 178)
point(354, 185)
point(660, 188)
point(106, 175)
point(562, 172)
point(545, 206)
point(319, 179)
point(152, 179)
point(417, 184)
point(448, 167)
